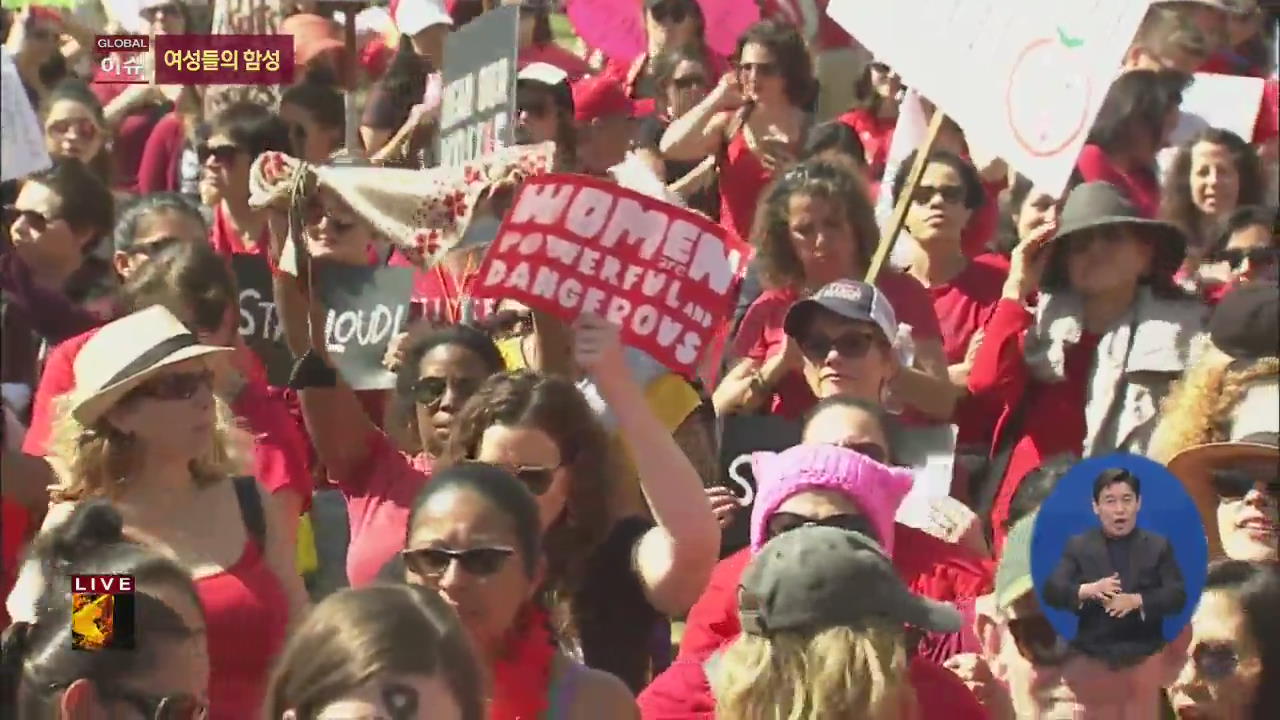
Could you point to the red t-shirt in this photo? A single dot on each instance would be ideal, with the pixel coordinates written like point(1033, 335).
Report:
point(876, 134)
point(130, 137)
point(158, 168)
point(963, 306)
point(760, 335)
point(742, 179)
point(226, 241)
point(379, 496)
point(1141, 186)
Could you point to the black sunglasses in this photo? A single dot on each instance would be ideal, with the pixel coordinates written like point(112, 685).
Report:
point(1038, 642)
point(1233, 484)
point(223, 154)
point(37, 221)
point(165, 707)
point(688, 82)
point(675, 12)
point(782, 522)
point(537, 478)
point(478, 561)
point(430, 390)
point(1215, 661)
point(924, 194)
point(174, 386)
point(761, 69)
point(851, 345)
point(1258, 256)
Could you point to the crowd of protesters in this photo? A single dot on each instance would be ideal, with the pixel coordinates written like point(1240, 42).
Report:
point(528, 524)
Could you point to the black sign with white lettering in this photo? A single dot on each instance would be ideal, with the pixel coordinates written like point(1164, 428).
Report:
point(365, 307)
point(477, 115)
point(743, 435)
point(260, 325)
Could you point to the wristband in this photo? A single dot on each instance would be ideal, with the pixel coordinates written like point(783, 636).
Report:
point(311, 371)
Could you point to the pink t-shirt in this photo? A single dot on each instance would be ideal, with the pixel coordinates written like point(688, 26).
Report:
point(380, 495)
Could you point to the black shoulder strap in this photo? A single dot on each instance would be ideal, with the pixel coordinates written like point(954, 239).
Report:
point(251, 512)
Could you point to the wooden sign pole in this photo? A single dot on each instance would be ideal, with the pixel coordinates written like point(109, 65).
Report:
point(890, 232)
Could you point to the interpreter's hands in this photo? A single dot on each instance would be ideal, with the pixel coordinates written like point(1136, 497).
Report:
point(975, 673)
point(724, 504)
point(1123, 604)
point(727, 94)
point(597, 348)
point(1101, 590)
point(1028, 261)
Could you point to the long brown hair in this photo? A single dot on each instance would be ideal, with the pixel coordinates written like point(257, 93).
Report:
point(1176, 205)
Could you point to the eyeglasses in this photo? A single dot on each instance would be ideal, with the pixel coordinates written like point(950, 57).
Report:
point(1257, 256)
point(37, 221)
point(174, 386)
point(222, 154)
point(689, 82)
point(84, 128)
point(430, 390)
point(1038, 642)
point(1215, 661)
point(673, 12)
point(1233, 484)
point(537, 478)
point(477, 561)
point(851, 345)
point(951, 194)
point(782, 522)
point(166, 707)
point(760, 69)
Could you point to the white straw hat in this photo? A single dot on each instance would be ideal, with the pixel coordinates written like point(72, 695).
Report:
point(125, 353)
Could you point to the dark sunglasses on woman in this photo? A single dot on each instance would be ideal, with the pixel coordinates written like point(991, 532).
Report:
point(223, 154)
point(1234, 484)
point(37, 221)
point(174, 386)
point(851, 345)
point(950, 194)
point(1038, 642)
point(165, 707)
point(84, 128)
point(761, 69)
point(782, 522)
point(477, 561)
point(673, 11)
point(689, 82)
point(1257, 257)
point(430, 390)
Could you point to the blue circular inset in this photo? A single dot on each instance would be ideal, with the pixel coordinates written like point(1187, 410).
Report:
point(1166, 509)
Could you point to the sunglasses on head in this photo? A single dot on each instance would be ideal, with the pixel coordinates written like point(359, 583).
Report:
point(1233, 484)
point(174, 386)
point(674, 12)
point(782, 522)
point(767, 69)
point(35, 220)
point(222, 154)
point(430, 390)
point(477, 561)
point(164, 707)
point(851, 345)
point(1257, 256)
point(1038, 642)
point(1215, 661)
point(689, 82)
point(84, 128)
point(951, 194)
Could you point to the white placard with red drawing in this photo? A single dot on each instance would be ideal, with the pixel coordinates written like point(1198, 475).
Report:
point(1023, 78)
point(573, 244)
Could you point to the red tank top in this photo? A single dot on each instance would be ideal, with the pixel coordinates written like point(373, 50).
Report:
point(246, 612)
point(742, 178)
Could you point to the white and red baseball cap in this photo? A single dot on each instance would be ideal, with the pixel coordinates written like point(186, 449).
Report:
point(413, 16)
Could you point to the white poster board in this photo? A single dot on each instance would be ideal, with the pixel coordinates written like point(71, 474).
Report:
point(22, 150)
point(1227, 102)
point(930, 452)
point(1023, 78)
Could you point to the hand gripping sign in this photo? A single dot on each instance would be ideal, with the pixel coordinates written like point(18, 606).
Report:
point(573, 244)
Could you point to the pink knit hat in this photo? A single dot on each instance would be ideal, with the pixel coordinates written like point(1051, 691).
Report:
point(877, 490)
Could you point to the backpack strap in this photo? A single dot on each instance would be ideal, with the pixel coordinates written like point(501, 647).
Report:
point(255, 520)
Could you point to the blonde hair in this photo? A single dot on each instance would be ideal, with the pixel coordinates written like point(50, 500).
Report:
point(95, 461)
point(840, 672)
point(1199, 408)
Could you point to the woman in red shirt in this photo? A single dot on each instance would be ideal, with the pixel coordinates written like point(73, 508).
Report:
point(818, 226)
point(1134, 123)
point(238, 135)
point(878, 93)
point(754, 121)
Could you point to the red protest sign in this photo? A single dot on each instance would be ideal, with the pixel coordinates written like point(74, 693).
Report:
point(573, 244)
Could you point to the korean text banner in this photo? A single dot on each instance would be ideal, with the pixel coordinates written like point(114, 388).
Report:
point(572, 244)
point(223, 59)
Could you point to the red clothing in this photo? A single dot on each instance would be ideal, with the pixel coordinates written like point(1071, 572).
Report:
point(1054, 419)
point(130, 137)
point(246, 612)
point(554, 55)
point(162, 155)
point(279, 449)
point(876, 134)
point(227, 241)
point(14, 534)
point(742, 179)
point(760, 335)
point(439, 297)
point(1267, 126)
point(985, 221)
point(929, 566)
point(964, 306)
point(1141, 186)
point(380, 495)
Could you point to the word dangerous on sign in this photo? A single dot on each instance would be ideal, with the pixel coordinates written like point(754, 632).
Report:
point(573, 244)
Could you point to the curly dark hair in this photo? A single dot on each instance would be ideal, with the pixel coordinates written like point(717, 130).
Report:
point(818, 177)
point(974, 193)
point(789, 51)
point(556, 407)
point(1256, 587)
point(1176, 205)
point(464, 336)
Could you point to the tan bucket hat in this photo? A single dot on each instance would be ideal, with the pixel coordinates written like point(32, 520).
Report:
point(125, 353)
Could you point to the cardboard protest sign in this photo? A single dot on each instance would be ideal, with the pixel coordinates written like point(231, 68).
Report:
point(930, 452)
point(367, 306)
point(477, 113)
point(260, 325)
point(22, 149)
point(572, 244)
point(742, 435)
point(1023, 78)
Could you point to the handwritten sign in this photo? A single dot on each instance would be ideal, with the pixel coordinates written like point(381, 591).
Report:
point(367, 306)
point(930, 452)
point(22, 149)
point(224, 59)
point(573, 244)
point(260, 325)
point(478, 108)
point(1023, 78)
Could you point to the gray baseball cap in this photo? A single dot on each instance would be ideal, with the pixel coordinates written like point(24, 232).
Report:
point(816, 577)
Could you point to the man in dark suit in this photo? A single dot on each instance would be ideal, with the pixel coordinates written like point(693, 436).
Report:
point(1118, 579)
